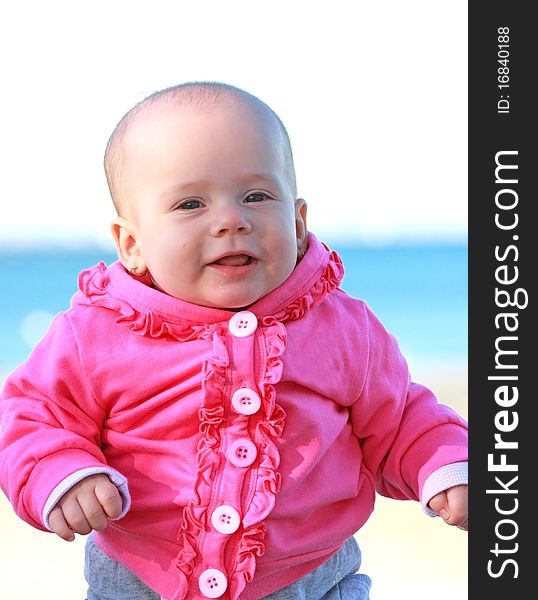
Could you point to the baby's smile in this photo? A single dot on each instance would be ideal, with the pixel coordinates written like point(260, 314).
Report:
point(234, 260)
point(234, 264)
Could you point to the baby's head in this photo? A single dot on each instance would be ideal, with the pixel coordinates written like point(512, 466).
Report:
point(202, 178)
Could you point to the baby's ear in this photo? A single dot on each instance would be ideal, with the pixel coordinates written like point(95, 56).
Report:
point(301, 230)
point(125, 240)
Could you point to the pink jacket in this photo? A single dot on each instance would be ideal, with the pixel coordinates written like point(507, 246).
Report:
point(253, 443)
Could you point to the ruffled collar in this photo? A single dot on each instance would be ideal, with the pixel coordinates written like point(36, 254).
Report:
point(151, 312)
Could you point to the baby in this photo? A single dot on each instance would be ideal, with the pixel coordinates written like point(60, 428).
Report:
point(213, 407)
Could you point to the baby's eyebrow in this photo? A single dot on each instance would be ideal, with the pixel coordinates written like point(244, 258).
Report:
point(260, 176)
point(246, 178)
point(185, 186)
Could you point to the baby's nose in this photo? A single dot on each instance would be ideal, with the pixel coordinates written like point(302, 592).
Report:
point(230, 219)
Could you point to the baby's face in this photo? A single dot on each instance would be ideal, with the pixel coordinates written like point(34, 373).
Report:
point(211, 203)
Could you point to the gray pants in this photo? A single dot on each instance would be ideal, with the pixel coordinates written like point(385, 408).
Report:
point(336, 579)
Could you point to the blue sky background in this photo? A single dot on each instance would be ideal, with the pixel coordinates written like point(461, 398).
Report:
point(374, 96)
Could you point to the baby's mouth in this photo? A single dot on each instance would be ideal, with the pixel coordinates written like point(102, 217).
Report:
point(237, 260)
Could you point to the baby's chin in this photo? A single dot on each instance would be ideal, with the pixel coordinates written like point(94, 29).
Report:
point(231, 308)
point(231, 298)
point(224, 304)
point(231, 305)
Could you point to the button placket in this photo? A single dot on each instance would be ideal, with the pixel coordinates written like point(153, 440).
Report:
point(225, 520)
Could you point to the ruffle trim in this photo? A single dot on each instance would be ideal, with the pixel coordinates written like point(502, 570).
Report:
point(330, 280)
point(211, 415)
point(195, 514)
point(94, 285)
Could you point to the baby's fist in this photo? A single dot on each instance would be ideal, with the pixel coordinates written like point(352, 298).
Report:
point(451, 505)
point(86, 506)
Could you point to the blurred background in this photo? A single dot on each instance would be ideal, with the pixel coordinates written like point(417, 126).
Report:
point(374, 97)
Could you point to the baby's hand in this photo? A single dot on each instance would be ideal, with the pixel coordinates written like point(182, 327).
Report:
point(87, 505)
point(451, 505)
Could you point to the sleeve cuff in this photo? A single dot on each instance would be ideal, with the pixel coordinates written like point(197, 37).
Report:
point(64, 486)
point(442, 479)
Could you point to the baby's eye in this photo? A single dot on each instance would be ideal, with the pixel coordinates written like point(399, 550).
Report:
point(189, 205)
point(256, 197)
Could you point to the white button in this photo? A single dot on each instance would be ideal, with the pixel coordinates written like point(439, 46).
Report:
point(242, 453)
point(212, 583)
point(246, 401)
point(243, 324)
point(225, 519)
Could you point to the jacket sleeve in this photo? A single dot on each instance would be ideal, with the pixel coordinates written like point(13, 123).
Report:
point(50, 423)
point(405, 432)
